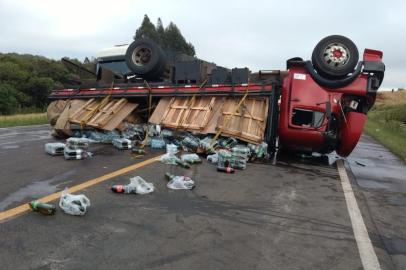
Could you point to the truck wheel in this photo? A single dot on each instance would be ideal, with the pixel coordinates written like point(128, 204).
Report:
point(335, 57)
point(145, 58)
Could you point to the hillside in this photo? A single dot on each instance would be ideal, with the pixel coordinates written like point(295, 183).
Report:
point(387, 121)
point(26, 81)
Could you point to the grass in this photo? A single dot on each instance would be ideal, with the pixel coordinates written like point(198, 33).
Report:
point(387, 123)
point(23, 119)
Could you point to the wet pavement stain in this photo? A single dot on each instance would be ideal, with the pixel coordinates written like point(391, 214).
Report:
point(35, 190)
point(377, 168)
point(13, 146)
point(395, 246)
point(397, 200)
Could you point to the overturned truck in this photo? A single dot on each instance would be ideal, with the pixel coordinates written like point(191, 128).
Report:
point(319, 105)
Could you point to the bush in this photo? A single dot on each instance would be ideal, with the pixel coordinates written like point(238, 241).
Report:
point(8, 99)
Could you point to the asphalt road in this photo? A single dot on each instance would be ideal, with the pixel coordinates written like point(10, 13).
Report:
point(290, 215)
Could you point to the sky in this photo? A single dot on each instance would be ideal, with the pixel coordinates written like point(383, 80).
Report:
point(232, 33)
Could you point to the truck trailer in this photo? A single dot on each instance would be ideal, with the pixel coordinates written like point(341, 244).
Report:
point(318, 105)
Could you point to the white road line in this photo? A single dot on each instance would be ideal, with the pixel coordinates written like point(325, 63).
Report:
point(365, 248)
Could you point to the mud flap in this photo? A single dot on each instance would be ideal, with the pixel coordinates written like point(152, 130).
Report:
point(351, 132)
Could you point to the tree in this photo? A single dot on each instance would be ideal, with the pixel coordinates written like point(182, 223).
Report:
point(147, 30)
point(174, 40)
point(26, 81)
point(169, 38)
point(8, 99)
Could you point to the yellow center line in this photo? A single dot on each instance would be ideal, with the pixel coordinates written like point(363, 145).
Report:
point(25, 207)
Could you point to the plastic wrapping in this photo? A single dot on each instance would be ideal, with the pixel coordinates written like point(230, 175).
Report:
point(72, 154)
point(171, 149)
point(157, 143)
point(140, 186)
point(224, 157)
point(207, 145)
point(154, 130)
point(133, 131)
point(103, 137)
point(191, 143)
point(227, 142)
point(259, 151)
point(78, 143)
point(190, 158)
point(235, 159)
point(122, 143)
point(181, 182)
point(167, 133)
point(170, 156)
point(241, 150)
point(73, 204)
point(55, 149)
point(169, 159)
point(213, 158)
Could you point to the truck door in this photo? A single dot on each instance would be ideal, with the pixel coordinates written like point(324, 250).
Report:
point(307, 103)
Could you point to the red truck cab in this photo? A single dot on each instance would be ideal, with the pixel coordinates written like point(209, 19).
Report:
point(321, 112)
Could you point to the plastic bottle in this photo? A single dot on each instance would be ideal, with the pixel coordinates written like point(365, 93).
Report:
point(182, 164)
point(225, 169)
point(122, 189)
point(138, 150)
point(43, 208)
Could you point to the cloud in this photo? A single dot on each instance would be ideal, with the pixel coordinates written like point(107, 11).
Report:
point(256, 34)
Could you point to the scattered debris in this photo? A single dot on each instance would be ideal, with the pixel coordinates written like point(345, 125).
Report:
point(258, 151)
point(137, 185)
point(359, 163)
point(191, 158)
point(225, 169)
point(76, 154)
point(190, 143)
point(182, 164)
point(122, 189)
point(213, 158)
point(55, 149)
point(179, 182)
point(137, 150)
point(103, 137)
point(141, 186)
point(157, 142)
point(170, 157)
point(43, 208)
point(207, 145)
point(224, 157)
point(73, 204)
point(122, 143)
point(78, 143)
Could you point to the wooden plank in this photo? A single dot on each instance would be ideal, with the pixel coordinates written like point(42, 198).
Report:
point(62, 125)
point(160, 110)
point(249, 123)
point(79, 113)
point(106, 112)
point(120, 116)
point(189, 113)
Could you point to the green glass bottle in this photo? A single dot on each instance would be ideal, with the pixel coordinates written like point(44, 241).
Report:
point(43, 208)
point(169, 176)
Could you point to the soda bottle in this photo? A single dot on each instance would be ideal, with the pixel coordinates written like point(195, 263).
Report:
point(122, 189)
point(43, 208)
point(225, 169)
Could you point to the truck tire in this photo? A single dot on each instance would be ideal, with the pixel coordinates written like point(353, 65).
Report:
point(334, 57)
point(145, 58)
